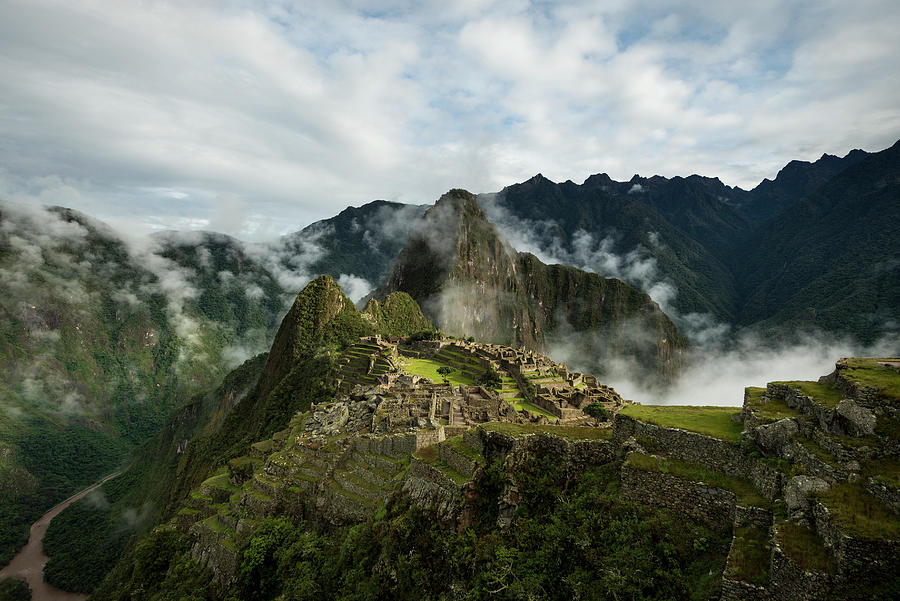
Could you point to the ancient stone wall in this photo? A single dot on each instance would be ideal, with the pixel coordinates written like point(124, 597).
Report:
point(790, 582)
point(428, 487)
point(711, 506)
point(756, 517)
point(856, 556)
point(737, 590)
point(728, 458)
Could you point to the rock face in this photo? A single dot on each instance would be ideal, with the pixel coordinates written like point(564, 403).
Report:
point(776, 436)
point(856, 420)
point(797, 491)
point(470, 281)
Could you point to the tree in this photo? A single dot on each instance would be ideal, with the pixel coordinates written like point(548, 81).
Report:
point(445, 370)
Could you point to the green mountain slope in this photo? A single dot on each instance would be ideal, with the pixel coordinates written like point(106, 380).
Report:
point(590, 224)
point(832, 260)
point(100, 339)
point(815, 247)
point(254, 402)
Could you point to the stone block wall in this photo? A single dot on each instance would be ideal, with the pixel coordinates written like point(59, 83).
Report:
point(726, 457)
point(756, 517)
point(790, 582)
point(711, 506)
point(856, 556)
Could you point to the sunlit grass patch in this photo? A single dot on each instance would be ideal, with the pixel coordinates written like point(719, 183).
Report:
point(717, 422)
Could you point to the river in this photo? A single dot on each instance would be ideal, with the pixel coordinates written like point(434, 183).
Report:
point(29, 563)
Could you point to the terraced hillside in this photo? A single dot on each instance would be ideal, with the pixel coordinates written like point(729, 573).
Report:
point(808, 483)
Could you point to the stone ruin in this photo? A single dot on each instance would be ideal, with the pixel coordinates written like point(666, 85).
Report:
point(375, 364)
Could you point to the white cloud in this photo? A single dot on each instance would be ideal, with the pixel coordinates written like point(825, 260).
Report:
point(261, 117)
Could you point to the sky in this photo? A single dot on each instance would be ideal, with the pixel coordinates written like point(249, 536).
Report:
point(258, 118)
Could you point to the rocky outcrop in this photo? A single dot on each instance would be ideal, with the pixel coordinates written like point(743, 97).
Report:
point(470, 281)
point(798, 491)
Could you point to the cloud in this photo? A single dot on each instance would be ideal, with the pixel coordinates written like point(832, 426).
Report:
point(354, 286)
point(277, 114)
point(718, 376)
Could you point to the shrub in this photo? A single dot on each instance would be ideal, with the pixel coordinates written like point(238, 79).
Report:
point(597, 411)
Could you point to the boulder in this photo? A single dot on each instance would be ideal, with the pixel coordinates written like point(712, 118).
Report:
point(776, 436)
point(798, 489)
point(853, 419)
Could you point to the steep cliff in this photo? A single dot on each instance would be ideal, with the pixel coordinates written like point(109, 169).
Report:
point(469, 281)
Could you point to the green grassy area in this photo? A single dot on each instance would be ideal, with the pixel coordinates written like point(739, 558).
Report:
point(885, 471)
point(519, 405)
point(427, 368)
point(465, 450)
point(220, 481)
point(826, 394)
point(804, 547)
point(743, 489)
point(772, 409)
point(711, 421)
point(567, 432)
point(867, 372)
point(749, 559)
point(429, 455)
point(858, 512)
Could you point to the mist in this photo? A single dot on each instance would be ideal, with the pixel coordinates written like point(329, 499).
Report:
point(718, 376)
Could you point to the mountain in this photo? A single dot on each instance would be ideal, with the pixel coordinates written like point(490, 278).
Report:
point(469, 281)
point(782, 256)
point(361, 242)
point(100, 339)
point(621, 229)
point(832, 259)
point(793, 182)
point(253, 402)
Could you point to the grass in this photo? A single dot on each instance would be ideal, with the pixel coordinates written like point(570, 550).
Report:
point(743, 489)
point(867, 372)
point(465, 450)
point(772, 409)
point(427, 368)
point(221, 481)
point(886, 472)
point(858, 512)
point(749, 558)
point(451, 473)
point(567, 432)
point(523, 404)
point(817, 451)
point(827, 394)
point(802, 545)
point(711, 421)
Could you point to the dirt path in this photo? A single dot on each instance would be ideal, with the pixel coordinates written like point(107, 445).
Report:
point(29, 563)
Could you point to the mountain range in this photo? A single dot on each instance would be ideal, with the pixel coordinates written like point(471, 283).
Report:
point(109, 345)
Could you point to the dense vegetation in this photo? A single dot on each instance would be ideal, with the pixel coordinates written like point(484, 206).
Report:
point(815, 248)
point(571, 540)
point(86, 540)
point(100, 342)
point(13, 589)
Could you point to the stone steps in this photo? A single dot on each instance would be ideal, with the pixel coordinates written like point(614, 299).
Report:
point(348, 504)
point(356, 484)
point(371, 473)
point(265, 485)
point(302, 458)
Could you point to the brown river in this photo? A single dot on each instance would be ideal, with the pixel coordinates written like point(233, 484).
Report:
point(29, 563)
